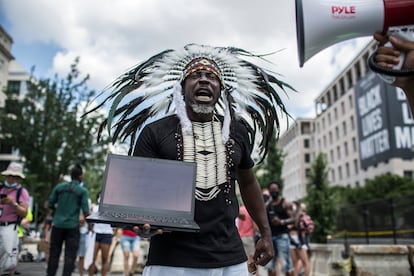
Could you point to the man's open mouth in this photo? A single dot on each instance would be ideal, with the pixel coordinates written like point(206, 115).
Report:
point(203, 95)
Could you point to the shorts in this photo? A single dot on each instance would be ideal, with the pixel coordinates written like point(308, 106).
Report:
point(103, 238)
point(248, 244)
point(296, 244)
point(129, 243)
point(82, 245)
point(281, 244)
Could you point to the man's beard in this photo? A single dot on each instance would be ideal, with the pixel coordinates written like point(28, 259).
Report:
point(202, 109)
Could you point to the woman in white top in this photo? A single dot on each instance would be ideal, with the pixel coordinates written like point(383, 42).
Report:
point(103, 241)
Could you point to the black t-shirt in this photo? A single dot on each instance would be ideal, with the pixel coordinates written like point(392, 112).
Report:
point(280, 212)
point(218, 243)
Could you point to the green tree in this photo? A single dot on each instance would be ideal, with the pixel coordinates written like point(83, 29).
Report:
point(320, 201)
point(271, 168)
point(47, 128)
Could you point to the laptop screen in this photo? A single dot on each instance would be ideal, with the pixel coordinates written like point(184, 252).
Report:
point(140, 182)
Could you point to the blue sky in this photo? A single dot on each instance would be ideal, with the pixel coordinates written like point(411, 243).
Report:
point(111, 36)
point(38, 54)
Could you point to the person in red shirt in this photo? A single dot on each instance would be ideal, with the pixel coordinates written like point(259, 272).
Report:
point(130, 243)
point(247, 229)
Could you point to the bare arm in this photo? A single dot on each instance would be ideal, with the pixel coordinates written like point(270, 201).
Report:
point(252, 198)
point(388, 57)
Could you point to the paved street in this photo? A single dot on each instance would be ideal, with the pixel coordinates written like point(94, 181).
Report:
point(37, 268)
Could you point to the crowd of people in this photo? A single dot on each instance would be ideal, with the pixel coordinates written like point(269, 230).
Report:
point(204, 85)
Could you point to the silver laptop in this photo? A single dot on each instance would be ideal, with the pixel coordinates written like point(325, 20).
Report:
point(139, 190)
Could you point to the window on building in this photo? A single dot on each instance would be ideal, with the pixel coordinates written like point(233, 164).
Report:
point(349, 78)
point(332, 156)
point(354, 144)
point(333, 175)
point(358, 71)
point(351, 101)
point(346, 148)
point(307, 158)
point(306, 143)
point(329, 118)
point(348, 173)
point(356, 168)
point(324, 141)
point(330, 137)
point(307, 172)
point(335, 113)
point(340, 173)
point(328, 99)
point(343, 108)
point(342, 86)
point(344, 130)
point(335, 93)
point(305, 128)
point(338, 152)
point(352, 120)
point(409, 174)
point(13, 87)
point(337, 132)
point(323, 123)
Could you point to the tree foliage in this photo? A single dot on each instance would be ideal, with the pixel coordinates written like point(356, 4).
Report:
point(383, 186)
point(47, 128)
point(319, 199)
point(271, 168)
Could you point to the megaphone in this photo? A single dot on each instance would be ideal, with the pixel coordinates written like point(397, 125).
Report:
point(322, 23)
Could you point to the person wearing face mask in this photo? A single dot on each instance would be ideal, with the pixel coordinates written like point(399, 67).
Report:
point(280, 215)
point(14, 204)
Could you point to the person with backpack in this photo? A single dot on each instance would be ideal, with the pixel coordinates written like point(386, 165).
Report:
point(66, 201)
point(298, 239)
point(14, 203)
point(306, 224)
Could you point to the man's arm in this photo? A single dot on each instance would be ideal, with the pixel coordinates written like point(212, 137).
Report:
point(388, 57)
point(253, 200)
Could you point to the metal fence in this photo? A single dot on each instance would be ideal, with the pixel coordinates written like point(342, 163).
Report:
point(386, 221)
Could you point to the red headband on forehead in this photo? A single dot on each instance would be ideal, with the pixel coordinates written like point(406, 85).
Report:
point(201, 63)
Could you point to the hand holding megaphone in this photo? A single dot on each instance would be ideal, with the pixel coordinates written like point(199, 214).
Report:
point(387, 58)
point(394, 55)
point(390, 59)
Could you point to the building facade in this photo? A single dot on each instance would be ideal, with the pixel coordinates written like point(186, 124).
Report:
point(296, 145)
point(13, 78)
point(5, 57)
point(362, 126)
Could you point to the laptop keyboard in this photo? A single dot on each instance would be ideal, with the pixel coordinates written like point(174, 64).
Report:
point(146, 218)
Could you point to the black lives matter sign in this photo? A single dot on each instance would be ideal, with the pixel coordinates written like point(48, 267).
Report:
point(385, 123)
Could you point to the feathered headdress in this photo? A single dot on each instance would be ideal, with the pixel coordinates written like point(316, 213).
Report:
point(152, 90)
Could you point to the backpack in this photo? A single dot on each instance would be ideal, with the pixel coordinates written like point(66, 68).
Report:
point(307, 224)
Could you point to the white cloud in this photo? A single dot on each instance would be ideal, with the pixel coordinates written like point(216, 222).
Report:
point(111, 36)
